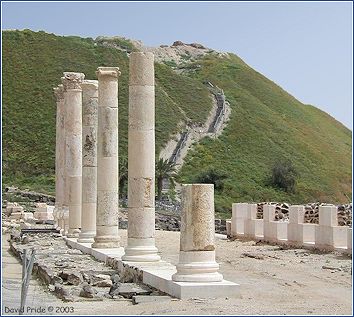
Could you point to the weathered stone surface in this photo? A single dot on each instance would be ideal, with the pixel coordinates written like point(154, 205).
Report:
point(71, 277)
point(197, 247)
point(101, 280)
point(87, 291)
point(63, 293)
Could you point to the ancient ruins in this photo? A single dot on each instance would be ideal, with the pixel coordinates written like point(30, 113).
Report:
point(86, 211)
point(86, 207)
point(327, 235)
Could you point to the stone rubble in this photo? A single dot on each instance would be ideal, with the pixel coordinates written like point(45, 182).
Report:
point(69, 273)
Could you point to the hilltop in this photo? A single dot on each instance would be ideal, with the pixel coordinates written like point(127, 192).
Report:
point(266, 124)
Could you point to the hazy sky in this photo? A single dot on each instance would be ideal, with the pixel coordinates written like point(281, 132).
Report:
point(304, 47)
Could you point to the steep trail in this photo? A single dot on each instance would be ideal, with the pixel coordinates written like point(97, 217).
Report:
point(178, 146)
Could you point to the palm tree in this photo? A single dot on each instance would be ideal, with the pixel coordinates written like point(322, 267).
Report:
point(164, 170)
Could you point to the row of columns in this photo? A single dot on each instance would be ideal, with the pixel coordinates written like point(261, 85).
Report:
point(87, 157)
point(87, 172)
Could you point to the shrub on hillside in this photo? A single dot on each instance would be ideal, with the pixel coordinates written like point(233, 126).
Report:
point(212, 176)
point(284, 176)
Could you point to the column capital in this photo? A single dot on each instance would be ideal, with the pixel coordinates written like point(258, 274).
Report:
point(90, 84)
point(108, 72)
point(59, 92)
point(72, 80)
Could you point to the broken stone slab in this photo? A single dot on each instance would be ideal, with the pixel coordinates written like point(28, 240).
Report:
point(101, 280)
point(87, 291)
point(63, 293)
point(139, 299)
point(71, 277)
point(128, 290)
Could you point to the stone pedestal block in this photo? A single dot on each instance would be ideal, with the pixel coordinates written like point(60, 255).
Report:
point(239, 214)
point(274, 231)
point(253, 228)
point(43, 212)
point(197, 248)
point(328, 234)
point(295, 228)
point(107, 159)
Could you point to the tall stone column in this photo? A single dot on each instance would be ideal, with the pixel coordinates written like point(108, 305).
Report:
point(59, 154)
point(73, 154)
point(89, 160)
point(107, 159)
point(141, 160)
point(197, 246)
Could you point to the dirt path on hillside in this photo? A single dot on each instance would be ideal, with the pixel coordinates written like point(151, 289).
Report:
point(194, 134)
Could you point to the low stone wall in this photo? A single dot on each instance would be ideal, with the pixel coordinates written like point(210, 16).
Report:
point(30, 195)
point(294, 231)
point(311, 214)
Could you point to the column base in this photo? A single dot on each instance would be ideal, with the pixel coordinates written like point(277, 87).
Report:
point(141, 250)
point(106, 242)
point(86, 237)
point(73, 233)
point(197, 266)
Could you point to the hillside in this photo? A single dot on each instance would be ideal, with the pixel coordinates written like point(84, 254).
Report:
point(266, 123)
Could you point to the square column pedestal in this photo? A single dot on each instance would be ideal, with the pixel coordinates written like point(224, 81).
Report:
point(253, 227)
point(299, 232)
point(239, 215)
point(329, 235)
point(274, 231)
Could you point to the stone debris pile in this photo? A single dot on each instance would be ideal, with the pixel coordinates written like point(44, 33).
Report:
point(73, 276)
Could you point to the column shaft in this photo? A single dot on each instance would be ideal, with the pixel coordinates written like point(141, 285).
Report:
point(141, 160)
point(59, 154)
point(89, 160)
point(73, 154)
point(197, 247)
point(107, 159)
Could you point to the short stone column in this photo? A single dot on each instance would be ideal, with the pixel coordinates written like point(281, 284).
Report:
point(197, 247)
point(141, 158)
point(89, 160)
point(73, 153)
point(59, 154)
point(107, 159)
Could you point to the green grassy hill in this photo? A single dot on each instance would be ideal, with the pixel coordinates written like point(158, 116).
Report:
point(266, 123)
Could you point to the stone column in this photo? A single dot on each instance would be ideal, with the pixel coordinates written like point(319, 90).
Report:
point(59, 154)
point(73, 153)
point(197, 246)
point(141, 160)
point(107, 159)
point(89, 160)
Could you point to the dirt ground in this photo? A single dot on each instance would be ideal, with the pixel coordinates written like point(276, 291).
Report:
point(273, 281)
